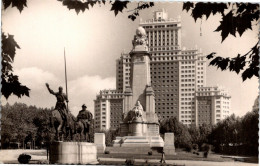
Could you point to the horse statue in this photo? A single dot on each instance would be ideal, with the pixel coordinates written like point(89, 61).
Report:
point(58, 123)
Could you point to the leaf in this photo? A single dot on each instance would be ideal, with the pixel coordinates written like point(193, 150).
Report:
point(220, 62)
point(9, 46)
point(227, 26)
point(187, 6)
point(250, 72)
point(211, 55)
point(119, 6)
point(237, 64)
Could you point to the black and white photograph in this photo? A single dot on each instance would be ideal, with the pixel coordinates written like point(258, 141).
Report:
point(96, 82)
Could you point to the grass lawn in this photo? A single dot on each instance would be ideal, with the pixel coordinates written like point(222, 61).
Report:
point(180, 155)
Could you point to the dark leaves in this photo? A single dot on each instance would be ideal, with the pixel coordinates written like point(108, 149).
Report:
point(211, 55)
point(187, 6)
point(19, 4)
point(118, 6)
point(238, 63)
point(202, 9)
point(10, 82)
point(227, 26)
point(79, 5)
point(140, 6)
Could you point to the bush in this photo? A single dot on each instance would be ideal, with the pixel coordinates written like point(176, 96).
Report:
point(195, 147)
point(130, 162)
point(107, 152)
point(24, 158)
point(150, 153)
point(188, 148)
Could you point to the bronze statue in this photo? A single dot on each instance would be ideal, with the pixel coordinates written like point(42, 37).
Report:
point(60, 113)
point(83, 124)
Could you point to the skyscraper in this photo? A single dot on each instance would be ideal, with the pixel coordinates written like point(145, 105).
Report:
point(176, 73)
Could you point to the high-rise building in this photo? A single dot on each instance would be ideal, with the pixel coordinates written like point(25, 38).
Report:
point(176, 73)
point(213, 104)
point(108, 109)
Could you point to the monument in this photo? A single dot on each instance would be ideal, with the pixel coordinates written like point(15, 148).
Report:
point(140, 126)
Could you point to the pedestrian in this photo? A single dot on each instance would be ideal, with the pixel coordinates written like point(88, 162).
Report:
point(163, 157)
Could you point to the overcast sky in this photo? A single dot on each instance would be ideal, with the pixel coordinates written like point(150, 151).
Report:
point(95, 39)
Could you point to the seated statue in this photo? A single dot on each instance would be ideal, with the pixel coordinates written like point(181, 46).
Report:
point(85, 116)
point(135, 113)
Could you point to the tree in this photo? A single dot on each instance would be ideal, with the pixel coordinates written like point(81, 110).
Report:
point(10, 82)
point(182, 137)
point(236, 18)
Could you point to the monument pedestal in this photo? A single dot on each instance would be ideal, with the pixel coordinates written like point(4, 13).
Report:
point(99, 140)
point(169, 148)
point(73, 153)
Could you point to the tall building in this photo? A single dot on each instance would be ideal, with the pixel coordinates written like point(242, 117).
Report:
point(175, 73)
point(108, 109)
point(213, 104)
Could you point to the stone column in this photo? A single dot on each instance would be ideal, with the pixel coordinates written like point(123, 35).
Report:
point(169, 148)
point(99, 140)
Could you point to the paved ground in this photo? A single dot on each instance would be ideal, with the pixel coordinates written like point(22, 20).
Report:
point(12, 155)
point(186, 162)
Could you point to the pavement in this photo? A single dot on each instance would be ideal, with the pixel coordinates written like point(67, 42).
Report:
point(7, 155)
point(11, 155)
point(187, 162)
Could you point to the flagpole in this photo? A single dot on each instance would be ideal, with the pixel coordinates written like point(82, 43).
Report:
point(66, 79)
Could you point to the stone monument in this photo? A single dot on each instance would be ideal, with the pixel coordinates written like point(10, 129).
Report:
point(140, 126)
point(169, 148)
point(99, 141)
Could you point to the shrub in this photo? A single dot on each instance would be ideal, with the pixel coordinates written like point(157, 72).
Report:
point(188, 148)
point(107, 152)
point(150, 153)
point(24, 158)
point(195, 147)
point(130, 162)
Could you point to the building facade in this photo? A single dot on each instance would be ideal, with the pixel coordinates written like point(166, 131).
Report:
point(213, 104)
point(176, 73)
point(108, 109)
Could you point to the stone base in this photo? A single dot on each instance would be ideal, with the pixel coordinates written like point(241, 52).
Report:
point(169, 150)
point(138, 141)
point(99, 140)
point(73, 153)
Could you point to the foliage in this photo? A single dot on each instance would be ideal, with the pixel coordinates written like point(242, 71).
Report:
point(24, 158)
point(110, 135)
point(18, 4)
point(182, 137)
point(236, 18)
point(10, 82)
point(22, 123)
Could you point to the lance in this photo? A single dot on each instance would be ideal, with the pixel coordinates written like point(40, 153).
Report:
point(66, 79)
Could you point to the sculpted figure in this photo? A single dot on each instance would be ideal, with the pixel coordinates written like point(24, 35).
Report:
point(60, 104)
point(140, 38)
point(85, 116)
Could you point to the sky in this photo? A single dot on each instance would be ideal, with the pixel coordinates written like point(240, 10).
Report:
point(93, 40)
